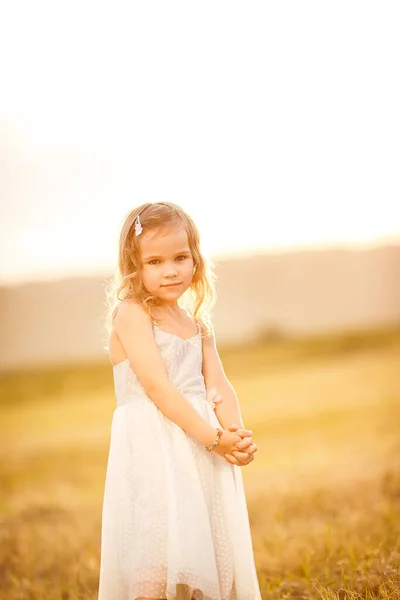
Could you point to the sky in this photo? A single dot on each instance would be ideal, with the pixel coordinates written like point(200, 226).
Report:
point(274, 124)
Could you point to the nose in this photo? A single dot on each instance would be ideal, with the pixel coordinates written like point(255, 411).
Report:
point(170, 270)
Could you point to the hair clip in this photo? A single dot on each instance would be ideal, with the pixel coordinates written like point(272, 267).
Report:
point(138, 226)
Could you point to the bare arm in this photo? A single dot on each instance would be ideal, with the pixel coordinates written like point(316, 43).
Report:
point(227, 411)
point(134, 329)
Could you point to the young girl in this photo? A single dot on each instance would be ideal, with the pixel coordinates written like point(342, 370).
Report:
point(175, 522)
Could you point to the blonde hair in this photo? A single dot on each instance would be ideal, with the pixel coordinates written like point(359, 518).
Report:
point(126, 282)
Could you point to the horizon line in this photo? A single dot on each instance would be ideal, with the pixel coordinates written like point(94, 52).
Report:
point(244, 253)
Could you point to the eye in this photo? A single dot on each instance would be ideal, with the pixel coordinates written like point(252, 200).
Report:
point(181, 256)
point(153, 261)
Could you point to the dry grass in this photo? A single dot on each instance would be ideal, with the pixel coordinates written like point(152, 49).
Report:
point(323, 493)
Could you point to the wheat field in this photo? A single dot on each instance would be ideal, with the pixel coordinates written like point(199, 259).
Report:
point(323, 492)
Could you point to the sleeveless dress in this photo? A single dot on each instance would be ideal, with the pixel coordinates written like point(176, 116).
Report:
point(174, 521)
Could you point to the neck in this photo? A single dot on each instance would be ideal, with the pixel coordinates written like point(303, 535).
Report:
point(170, 308)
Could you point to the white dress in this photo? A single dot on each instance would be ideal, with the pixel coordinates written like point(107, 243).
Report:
point(174, 522)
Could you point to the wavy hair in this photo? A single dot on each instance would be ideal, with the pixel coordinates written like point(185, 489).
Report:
point(126, 282)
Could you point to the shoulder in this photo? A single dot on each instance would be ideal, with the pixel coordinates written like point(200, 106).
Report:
point(207, 333)
point(134, 328)
point(131, 312)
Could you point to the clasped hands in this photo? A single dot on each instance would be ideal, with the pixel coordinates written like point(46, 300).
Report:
point(245, 448)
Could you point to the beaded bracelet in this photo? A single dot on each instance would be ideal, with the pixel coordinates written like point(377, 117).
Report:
point(220, 432)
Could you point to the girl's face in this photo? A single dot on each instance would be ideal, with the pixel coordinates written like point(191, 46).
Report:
point(167, 263)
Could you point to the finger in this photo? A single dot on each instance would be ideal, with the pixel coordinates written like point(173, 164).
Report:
point(249, 460)
point(246, 461)
point(252, 449)
point(244, 457)
point(244, 432)
point(244, 443)
point(231, 459)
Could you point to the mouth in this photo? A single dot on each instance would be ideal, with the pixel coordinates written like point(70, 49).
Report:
point(171, 284)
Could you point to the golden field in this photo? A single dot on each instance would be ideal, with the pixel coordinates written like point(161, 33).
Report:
point(323, 492)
